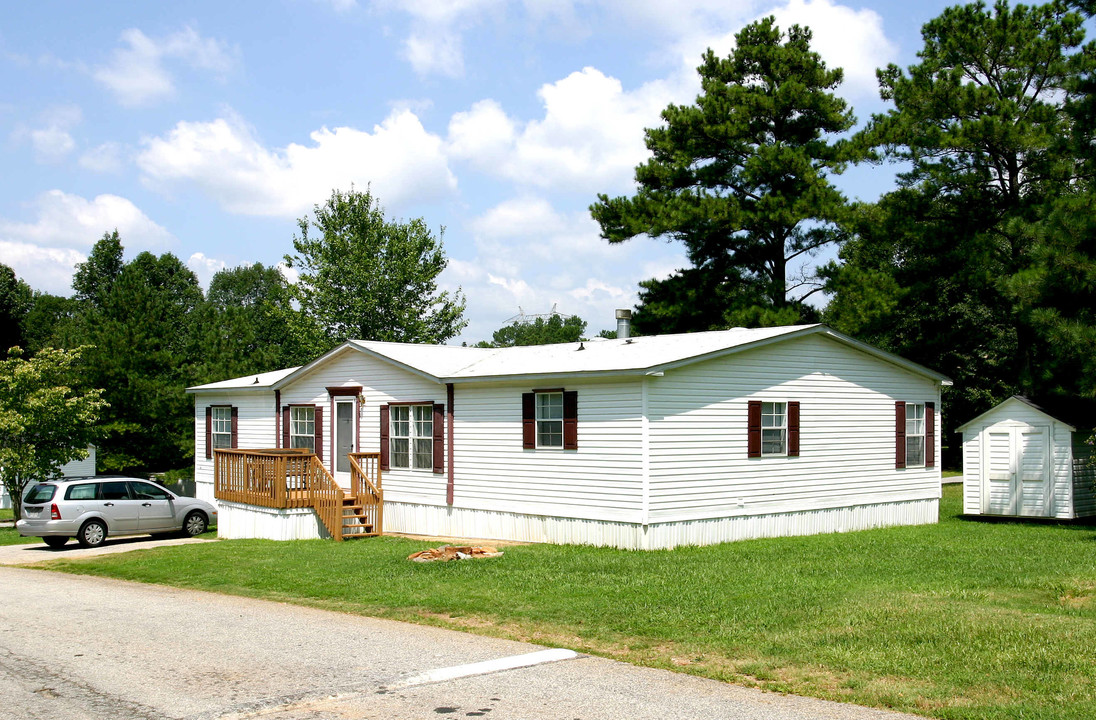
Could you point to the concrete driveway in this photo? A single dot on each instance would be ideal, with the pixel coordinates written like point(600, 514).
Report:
point(97, 648)
point(35, 552)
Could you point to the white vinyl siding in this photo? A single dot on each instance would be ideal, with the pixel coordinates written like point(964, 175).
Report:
point(254, 429)
point(603, 478)
point(698, 433)
point(381, 383)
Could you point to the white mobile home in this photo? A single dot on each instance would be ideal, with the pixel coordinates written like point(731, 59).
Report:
point(1022, 458)
point(646, 442)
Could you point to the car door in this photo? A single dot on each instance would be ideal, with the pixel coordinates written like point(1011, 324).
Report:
point(118, 508)
point(156, 507)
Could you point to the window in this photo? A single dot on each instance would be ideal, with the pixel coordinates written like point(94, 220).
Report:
point(412, 437)
point(148, 491)
point(88, 491)
point(774, 428)
point(40, 494)
point(222, 427)
point(549, 419)
point(302, 428)
point(915, 434)
point(116, 490)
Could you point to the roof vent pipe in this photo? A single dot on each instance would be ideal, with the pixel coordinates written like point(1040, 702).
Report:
point(624, 324)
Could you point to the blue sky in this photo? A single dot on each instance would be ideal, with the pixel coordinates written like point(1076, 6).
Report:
point(206, 129)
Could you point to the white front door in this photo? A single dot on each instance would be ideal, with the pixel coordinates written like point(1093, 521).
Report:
point(1016, 474)
point(345, 434)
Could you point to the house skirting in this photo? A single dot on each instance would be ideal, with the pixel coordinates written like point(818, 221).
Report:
point(451, 521)
point(236, 521)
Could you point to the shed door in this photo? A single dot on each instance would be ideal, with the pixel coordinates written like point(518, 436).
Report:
point(1017, 471)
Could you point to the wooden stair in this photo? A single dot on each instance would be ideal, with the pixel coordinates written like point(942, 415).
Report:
point(354, 522)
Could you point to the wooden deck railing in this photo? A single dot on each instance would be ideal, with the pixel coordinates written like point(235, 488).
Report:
point(365, 486)
point(295, 478)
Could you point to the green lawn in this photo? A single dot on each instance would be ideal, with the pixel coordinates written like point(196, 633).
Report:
point(963, 619)
point(7, 514)
point(8, 536)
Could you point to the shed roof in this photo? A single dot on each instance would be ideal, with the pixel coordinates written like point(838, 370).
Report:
point(1074, 412)
point(633, 356)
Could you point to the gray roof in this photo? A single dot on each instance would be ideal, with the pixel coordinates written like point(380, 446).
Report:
point(599, 357)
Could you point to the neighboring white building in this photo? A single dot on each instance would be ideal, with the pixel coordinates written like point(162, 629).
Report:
point(85, 466)
point(649, 442)
point(1022, 458)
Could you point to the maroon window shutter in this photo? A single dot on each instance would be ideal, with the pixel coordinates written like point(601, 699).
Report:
point(753, 429)
point(570, 420)
point(319, 432)
point(930, 435)
point(899, 434)
point(439, 438)
point(528, 421)
point(793, 429)
point(384, 437)
point(235, 427)
point(285, 427)
point(209, 432)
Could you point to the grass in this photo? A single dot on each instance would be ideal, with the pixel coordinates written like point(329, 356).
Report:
point(963, 619)
point(7, 514)
point(8, 536)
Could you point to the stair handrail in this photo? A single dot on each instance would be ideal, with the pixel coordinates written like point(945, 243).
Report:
point(366, 491)
point(326, 497)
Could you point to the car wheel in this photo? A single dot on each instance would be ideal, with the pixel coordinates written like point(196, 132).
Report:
point(92, 533)
point(55, 542)
point(195, 524)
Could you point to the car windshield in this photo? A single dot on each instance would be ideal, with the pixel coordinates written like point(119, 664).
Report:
point(40, 494)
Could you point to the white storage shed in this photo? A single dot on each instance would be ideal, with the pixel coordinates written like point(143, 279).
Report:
point(1026, 458)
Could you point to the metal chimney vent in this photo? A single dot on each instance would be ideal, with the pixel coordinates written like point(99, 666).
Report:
point(624, 324)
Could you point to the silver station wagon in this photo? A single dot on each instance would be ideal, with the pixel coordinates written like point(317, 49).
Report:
point(91, 508)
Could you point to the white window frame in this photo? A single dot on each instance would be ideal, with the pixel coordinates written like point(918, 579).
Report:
point(413, 425)
point(915, 434)
point(221, 427)
point(774, 424)
point(302, 425)
point(546, 420)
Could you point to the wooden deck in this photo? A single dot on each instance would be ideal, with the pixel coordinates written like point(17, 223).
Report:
point(282, 478)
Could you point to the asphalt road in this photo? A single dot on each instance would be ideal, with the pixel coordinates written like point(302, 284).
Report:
point(83, 647)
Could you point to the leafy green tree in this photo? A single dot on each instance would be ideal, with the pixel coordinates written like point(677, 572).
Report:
point(556, 329)
point(741, 178)
point(45, 420)
point(95, 276)
point(984, 124)
point(245, 325)
point(142, 357)
point(15, 303)
point(370, 278)
point(52, 322)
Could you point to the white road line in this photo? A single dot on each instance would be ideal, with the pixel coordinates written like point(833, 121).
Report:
point(488, 666)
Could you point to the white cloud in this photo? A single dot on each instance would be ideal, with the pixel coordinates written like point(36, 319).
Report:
point(105, 158)
point(399, 159)
point(50, 138)
point(45, 251)
point(434, 43)
point(45, 269)
point(853, 40)
point(204, 267)
point(136, 73)
point(340, 6)
point(530, 255)
point(590, 138)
